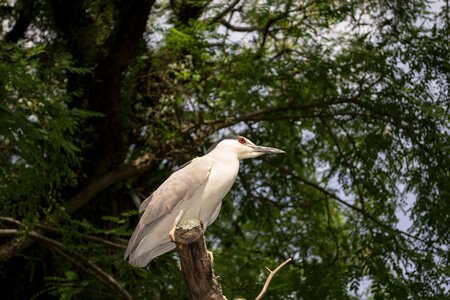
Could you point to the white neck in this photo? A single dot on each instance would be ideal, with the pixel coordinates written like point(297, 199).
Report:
point(224, 156)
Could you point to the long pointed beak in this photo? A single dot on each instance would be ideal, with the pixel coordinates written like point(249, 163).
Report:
point(267, 150)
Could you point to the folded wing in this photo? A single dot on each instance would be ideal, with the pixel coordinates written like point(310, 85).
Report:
point(181, 185)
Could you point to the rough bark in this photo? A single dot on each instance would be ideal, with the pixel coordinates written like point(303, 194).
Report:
point(105, 89)
point(103, 94)
point(14, 247)
point(196, 264)
point(100, 91)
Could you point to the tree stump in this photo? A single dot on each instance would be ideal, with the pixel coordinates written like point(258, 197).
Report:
point(195, 262)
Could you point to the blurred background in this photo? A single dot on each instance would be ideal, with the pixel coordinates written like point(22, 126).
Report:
point(101, 100)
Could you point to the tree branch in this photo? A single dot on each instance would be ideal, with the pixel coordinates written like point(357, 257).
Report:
point(195, 262)
point(105, 86)
point(270, 22)
point(98, 185)
point(104, 96)
point(222, 14)
point(269, 278)
point(270, 112)
point(238, 28)
point(351, 206)
point(138, 166)
point(104, 242)
point(74, 257)
point(54, 230)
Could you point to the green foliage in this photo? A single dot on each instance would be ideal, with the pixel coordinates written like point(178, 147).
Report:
point(355, 92)
point(38, 131)
point(64, 288)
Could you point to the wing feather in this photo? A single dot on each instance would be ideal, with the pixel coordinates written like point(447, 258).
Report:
point(178, 186)
point(181, 185)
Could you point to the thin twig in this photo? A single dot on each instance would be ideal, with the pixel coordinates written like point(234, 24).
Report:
point(265, 113)
point(269, 278)
point(54, 230)
point(351, 206)
point(104, 242)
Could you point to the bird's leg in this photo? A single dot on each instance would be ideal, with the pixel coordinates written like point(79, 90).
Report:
point(174, 226)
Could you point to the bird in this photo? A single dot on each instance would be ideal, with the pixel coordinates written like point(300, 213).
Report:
point(195, 191)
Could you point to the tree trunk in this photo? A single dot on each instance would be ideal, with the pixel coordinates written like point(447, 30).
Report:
point(196, 264)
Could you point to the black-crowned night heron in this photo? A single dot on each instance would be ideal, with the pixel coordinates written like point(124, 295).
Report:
point(193, 192)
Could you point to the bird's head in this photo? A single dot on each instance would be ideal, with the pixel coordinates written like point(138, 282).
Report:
point(243, 148)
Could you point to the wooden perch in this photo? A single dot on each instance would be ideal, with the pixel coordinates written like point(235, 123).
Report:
point(195, 262)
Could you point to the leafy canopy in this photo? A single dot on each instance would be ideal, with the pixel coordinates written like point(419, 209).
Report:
point(100, 100)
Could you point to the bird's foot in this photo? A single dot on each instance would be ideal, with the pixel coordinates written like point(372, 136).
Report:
point(172, 236)
point(174, 226)
point(211, 257)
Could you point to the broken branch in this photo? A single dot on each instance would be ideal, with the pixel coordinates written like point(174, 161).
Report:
point(195, 262)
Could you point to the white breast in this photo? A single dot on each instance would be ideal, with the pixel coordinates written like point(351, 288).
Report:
point(205, 204)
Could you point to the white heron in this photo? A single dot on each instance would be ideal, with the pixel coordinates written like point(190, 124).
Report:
point(195, 191)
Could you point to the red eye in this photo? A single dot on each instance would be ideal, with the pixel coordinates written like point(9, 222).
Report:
point(241, 140)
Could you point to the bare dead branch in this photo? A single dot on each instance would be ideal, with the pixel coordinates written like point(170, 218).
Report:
point(269, 278)
point(195, 262)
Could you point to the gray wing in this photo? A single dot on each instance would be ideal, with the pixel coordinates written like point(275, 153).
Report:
point(145, 203)
point(180, 185)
